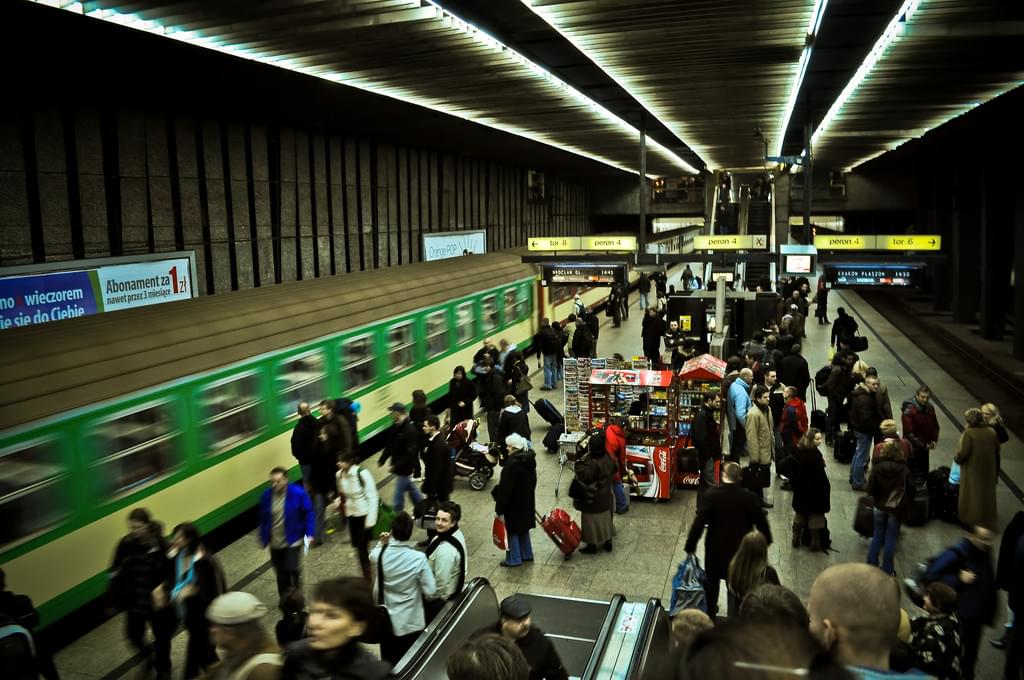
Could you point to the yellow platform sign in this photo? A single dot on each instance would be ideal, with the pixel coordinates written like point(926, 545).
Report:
point(617, 243)
point(910, 242)
point(548, 243)
point(844, 242)
point(731, 242)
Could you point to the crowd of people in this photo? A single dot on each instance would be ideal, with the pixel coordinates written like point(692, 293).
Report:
point(852, 624)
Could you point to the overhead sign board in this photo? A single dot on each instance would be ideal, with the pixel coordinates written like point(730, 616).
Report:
point(909, 242)
point(440, 245)
point(30, 296)
point(731, 242)
point(614, 243)
point(548, 243)
point(584, 274)
point(871, 274)
point(880, 242)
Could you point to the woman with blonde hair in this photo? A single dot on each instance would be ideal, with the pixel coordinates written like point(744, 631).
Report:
point(748, 569)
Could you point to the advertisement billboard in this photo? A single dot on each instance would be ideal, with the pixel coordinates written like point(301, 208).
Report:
point(445, 244)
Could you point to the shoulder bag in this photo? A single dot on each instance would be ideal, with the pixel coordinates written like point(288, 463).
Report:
point(379, 629)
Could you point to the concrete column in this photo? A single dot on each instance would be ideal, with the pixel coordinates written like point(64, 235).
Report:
point(783, 180)
point(966, 252)
point(998, 199)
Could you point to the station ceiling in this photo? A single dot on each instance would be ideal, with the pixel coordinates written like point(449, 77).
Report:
point(715, 84)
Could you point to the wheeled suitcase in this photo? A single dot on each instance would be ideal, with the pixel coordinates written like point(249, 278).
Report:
point(918, 514)
point(818, 420)
point(547, 411)
point(864, 517)
point(949, 503)
point(845, 448)
point(562, 530)
point(551, 438)
point(937, 481)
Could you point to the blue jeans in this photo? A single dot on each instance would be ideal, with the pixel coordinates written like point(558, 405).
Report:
point(550, 370)
point(307, 474)
point(402, 485)
point(887, 528)
point(860, 458)
point(621, 497)
point(644, 304)
point(519, 549)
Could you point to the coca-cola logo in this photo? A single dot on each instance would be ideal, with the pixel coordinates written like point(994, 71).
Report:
point(663, 461)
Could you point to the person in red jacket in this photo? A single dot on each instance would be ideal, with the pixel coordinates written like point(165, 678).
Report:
point(615, 445)
point(921, 427)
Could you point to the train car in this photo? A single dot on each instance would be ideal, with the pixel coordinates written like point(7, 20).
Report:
point(184, 407)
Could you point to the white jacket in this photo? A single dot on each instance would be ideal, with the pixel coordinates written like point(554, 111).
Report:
point(360, 492)
point(444, 562)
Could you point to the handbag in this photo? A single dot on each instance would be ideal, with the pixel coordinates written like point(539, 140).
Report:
point(858, 343)
point(385, 516)
point(499, 534)
point(380, 628)
point(524, 384)
point(424, 513)
point(757, 476)
point(864, 518)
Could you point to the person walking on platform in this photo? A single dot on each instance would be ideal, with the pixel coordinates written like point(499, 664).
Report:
point(461, 394)
point(286, 517)
point(613, 306)
point(821, 302)
point(517, 380)
point(864, 421)
point(739, 402)
point(844, 329)
point(673, 340)
point(403, 451)
point(811, 489)
point(976, 457)
point(760, 434)
point(652, 328)
point(491, 390)
point(139, 568)
point(921, 427)
point(199, 580)
point(592, 495)
point(512, 420)
point(304, 441)
point(249, 653)
point(514, 500)
point(837, 388)
point(643, 287)
point(892, 487)
point(548, 345)
point(705, 435)
point(615, 446)
point(687, 277)
point(358, 492)
point(583, 341)
point(729, 513)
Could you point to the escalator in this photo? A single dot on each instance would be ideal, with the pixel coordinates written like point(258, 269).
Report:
point(594, 639)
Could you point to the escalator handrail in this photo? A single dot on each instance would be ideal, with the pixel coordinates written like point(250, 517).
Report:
point(645, 635)
point(424, 647)
point(603, 637)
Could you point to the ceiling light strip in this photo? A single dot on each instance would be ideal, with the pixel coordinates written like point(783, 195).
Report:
point(661, 116)
point(817, 14)
point(293, 64)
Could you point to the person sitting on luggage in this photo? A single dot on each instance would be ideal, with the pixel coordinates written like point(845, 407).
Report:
point(935, 638)
point(516, 624)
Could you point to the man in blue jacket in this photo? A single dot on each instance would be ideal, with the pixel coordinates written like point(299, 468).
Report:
point(739, 402)
point(286, 518)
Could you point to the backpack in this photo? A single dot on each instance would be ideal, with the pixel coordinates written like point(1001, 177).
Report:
point(348, 409)
point(821, 377)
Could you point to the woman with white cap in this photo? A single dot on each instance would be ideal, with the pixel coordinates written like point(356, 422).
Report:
point(514, 499)
point(247, 652)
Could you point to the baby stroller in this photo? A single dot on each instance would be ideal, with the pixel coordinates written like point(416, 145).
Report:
point(472, 459)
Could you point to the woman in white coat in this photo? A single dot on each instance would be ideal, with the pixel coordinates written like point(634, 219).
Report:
point(357, 494)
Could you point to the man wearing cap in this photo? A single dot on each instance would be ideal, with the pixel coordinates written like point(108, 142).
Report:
point(515, 624)
point(247, 652)
point(402, 448)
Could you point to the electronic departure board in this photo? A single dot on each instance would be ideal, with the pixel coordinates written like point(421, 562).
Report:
point(872, 274)
point(585, 274)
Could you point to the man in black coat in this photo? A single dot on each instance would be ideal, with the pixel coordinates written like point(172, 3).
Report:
point(673, 340)
point(653, 328)
point(729, 513)
point(304, 441)
point(582, 341)
point(794, 372)
point(403, 450)
point(438, 470)
point(515, 624)
point(548, 344)
point(491, 390)
point(1010, 577)
point(705, 435)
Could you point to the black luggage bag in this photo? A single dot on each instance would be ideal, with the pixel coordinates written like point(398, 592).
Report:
point(918, 514)
point(548, 412)
point(845, 448)
point(551, 438)
point(864, 517)
point(818, 420)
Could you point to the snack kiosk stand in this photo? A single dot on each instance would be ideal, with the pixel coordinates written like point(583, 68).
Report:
point(697, 377)
point(650, 402)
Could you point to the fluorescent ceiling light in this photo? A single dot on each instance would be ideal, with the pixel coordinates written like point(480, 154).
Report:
point(814, 25)
point(449, 20)
point(674, 126)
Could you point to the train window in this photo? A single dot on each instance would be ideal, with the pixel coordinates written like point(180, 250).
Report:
point(301, 379)
point(230, 412)
point(33, 496)
point(465, 323)
point(357, 362)
point(510, 305)
point(437, 333)
point(400, 346)
point(134, 450)
point(490, 313)
point(521, 306)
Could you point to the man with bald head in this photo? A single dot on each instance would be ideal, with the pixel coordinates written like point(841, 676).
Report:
point(855, 614)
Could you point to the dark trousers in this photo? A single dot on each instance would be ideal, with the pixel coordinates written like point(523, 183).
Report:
point(919, 463)
point(199, 653)
point(834, 416)
point(970, 637)
point(286, 567)
point(359, 535)
point(739, 443)
point(162, 623)
point(1015, 653)
point(431, 608)
point(711, 589)
point(394, 647)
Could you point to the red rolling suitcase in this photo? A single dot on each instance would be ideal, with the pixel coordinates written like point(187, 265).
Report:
point(562, 529)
